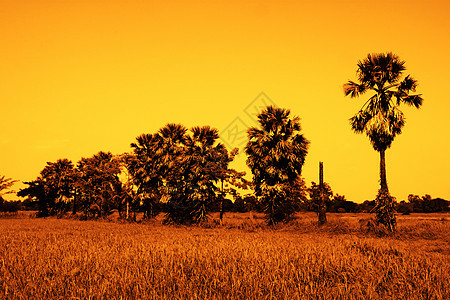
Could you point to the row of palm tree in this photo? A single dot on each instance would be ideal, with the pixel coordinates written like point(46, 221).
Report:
point(189, 171)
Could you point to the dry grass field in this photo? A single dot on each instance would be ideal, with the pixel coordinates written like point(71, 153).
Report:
point(241, 259)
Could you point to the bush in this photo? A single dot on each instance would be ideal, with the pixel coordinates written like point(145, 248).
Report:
point(10, 206)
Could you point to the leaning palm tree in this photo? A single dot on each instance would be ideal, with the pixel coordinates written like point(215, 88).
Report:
point(276, 153)
point(380, 117)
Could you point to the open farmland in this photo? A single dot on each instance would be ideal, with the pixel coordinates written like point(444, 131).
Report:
point(241, 259)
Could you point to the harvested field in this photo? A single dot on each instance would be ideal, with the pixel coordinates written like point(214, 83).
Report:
point(241, 259)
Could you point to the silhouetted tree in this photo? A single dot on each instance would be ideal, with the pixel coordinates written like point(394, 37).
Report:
point(36, 190)
point(172, 147)
point(380, 117)
point(185, 169)
point(197, 169)
point(205, 163)
point(148, 166)
point(58, 180)
point(417, 203)
point(53, 189)
point(298, 194)
point(367, 206)
point(98, 183)
point(317, 196)
point(9, 206)
point(404, 208)
point(276, 153)
point(426, 204)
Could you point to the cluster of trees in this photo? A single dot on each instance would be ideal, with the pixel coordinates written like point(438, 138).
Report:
point(187, 173)
point(188, 170)
point(424, 204)
point(183, 172)
point(9, 206)
point(92, 186)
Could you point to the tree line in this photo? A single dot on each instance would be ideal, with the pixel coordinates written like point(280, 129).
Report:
point(186, 173)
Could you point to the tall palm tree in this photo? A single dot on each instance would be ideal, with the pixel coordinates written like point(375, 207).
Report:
point(380, 117)
point(147, 170)
point(203, 159)
point(276, 153)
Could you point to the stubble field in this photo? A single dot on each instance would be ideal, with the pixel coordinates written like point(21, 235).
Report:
point(241, 259)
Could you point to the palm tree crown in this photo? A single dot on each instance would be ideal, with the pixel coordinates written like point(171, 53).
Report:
point(380, 117)
point(276, 152)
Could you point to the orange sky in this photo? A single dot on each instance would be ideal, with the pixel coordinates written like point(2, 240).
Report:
point(77, 77)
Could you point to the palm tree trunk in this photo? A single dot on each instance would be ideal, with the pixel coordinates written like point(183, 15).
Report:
point(383, 180)
point(221, 205)
point(322, 204)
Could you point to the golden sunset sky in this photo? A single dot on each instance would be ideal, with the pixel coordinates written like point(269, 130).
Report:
point(80, 76)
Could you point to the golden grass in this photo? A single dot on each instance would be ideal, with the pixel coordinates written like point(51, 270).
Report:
point(243, 259)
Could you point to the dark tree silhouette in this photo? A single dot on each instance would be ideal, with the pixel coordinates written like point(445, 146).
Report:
point(98, 183)
point(36, 191)
point(59, 179)
point(53, 189)
point(276, 153)
point(147, 167)
point(380, 117)
point(320, 196)
point(198, 168)
point(182, 167)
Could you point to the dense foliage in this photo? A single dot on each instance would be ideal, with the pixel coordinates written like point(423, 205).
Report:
point(185, 173)
point(276, 153)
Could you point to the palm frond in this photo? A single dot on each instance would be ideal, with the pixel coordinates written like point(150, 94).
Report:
point(396, 120)
point(359, 121)
point(175, 132)
point(413, 100)
point(354, 89)
point(379, 68)
point(408, 84)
